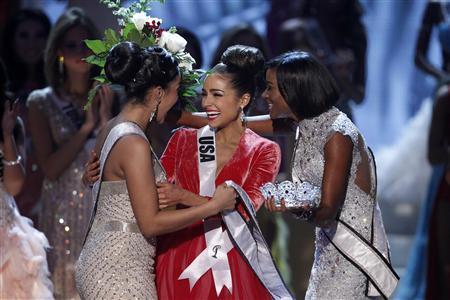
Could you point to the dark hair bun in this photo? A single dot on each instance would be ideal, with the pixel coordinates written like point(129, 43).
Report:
point(245, 64)
point(243, 59)
point(139, 69)
point(123, 62)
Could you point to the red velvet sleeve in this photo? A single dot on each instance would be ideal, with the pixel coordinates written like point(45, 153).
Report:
point(264, 169)
point(168, 158)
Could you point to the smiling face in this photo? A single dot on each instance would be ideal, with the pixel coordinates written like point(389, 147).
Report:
point(220, 101)
point(73, 48)
point(277, 105)
point(169, 99)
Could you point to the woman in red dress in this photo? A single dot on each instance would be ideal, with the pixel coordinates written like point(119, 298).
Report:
point(186, 266)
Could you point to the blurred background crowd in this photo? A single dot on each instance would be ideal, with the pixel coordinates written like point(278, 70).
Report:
point(391, 60)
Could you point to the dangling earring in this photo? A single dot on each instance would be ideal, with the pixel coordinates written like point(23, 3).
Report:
point(243, 119)
point(155, 111)
point(61, 65)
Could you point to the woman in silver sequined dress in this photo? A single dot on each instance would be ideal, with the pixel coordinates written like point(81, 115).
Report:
point(62, 136)
point(330, 154)
point(117, 260)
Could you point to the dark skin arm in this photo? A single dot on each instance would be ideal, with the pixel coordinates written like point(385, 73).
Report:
point(432, 16)
point(438, 143)
point(338, 161)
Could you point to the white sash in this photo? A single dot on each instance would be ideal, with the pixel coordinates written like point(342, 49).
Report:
point(370, 257)
point(247, 237)
point(249, 240)
point(218, 243)
point(366, 258)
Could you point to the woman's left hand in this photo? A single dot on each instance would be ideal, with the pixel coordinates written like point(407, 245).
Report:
point(169, 194)
point(9, 119)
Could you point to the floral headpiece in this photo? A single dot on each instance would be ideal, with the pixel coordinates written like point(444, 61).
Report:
point(138, 27)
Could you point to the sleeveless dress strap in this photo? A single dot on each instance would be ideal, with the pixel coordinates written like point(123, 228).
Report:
point(116, 133)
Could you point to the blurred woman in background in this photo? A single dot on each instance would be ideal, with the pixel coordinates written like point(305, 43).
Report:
point(62, 134)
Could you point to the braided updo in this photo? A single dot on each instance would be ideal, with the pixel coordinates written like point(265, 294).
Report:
point(139, 69)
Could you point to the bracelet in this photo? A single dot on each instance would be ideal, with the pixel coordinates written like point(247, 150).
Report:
point(10, 163)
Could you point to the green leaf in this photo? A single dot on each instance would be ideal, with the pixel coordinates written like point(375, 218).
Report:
point(134, 36)
point(190, 93)
point(111, 37)
point(148, 41)
point(126, 30)
point(95, 60)
point(91, 95)
point(101, 79)
point(97, 46)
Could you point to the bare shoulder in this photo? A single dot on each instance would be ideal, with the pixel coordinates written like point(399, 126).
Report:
point(339, 143)
point(133, 146)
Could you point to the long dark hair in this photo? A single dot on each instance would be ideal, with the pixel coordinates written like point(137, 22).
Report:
point(74, 16)
point(13, 63)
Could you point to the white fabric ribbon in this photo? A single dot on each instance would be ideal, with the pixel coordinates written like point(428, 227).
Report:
point(214, 257)
point(366, 256)
point(249, 240)
point(218, 243)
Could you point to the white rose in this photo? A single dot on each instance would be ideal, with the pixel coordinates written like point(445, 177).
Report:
point(139, 20)
point(187, 61)
point(172, 42)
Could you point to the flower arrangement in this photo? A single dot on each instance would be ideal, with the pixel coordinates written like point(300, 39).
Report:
point(138, 27)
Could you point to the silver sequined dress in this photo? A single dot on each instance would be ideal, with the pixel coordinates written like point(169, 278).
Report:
point(333, 276)
point(65, 203)
point(117, 262)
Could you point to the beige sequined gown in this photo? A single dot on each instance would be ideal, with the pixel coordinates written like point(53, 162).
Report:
point(332, 276)
point(65, 204)
point(117, 262)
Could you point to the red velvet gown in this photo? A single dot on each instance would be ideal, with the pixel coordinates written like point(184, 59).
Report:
point(255, 162)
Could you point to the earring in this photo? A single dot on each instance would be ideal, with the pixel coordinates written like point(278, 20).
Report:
point(155, 111)
point(243, 119)
point(61, 65)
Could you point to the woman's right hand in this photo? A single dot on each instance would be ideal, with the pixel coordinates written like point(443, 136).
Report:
point(92, 170)
point(272, 207)
point(224, 197)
